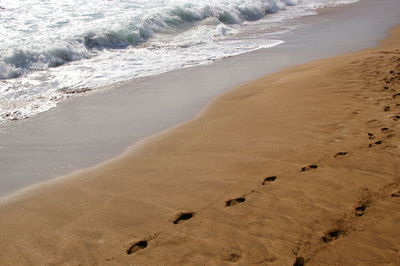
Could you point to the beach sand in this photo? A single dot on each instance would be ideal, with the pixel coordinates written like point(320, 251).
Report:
point(301, 166)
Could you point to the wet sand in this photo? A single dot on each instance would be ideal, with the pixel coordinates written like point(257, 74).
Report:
point(89, 130)
point(298, 167)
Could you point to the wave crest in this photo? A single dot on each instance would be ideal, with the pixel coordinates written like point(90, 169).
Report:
point(171, 19)
point(20, 61)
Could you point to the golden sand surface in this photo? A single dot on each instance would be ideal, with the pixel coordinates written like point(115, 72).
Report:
point(301, 167)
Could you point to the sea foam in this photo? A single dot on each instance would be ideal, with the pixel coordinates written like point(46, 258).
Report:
point(55, 46)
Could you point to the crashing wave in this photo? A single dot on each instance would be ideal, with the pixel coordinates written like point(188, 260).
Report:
point(168, 20)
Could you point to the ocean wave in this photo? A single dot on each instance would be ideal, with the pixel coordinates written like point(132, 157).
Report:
point(179, 16)
point(18, 62)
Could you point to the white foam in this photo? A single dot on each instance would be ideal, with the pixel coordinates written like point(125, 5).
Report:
point(57, 45)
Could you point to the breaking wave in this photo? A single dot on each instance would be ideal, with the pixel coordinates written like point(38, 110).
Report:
point(179, 17)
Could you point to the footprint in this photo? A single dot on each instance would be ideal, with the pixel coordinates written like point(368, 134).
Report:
point(269, 179)
point(385, 129)
point(340, 154)
point(390, 136)
point(371, 136)
point(396, 95)
point(360, 210)
point(233, 202)
point(396, 117)
point(233, 257)
point(311, 166)
point(183, 216)
point(375, 143)
point(396, 194)
point(373, 123)
point(332, 235)
point(386, 108)
point(300, 261)
point(142, 244)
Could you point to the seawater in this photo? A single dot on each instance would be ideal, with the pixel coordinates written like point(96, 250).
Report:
point(50, 49)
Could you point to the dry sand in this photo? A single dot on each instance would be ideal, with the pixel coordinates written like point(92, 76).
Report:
point(299, 165)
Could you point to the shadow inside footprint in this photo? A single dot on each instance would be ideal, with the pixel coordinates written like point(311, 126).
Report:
point(142, 244)
point(361, 209)
point(311, 166)
point(233, 257)
point(299, 261)
point(396, 195)
point(371, 136)
point(340, 154)
point(269, 179)
point(375, 143)
point(233, 202)
point(332, 235)
point(184, 216)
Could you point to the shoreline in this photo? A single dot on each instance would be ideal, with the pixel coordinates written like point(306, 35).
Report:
point(87, 131)
point(299, 165)
point(11, 113)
